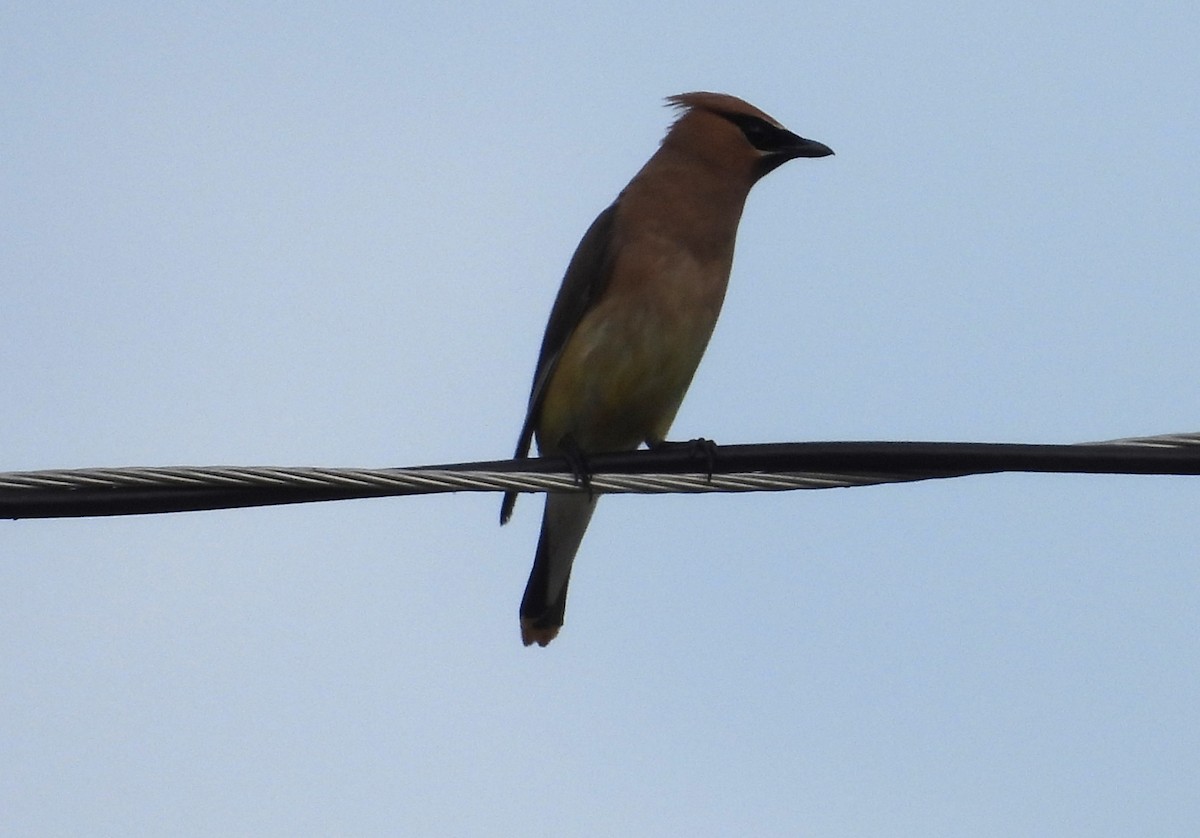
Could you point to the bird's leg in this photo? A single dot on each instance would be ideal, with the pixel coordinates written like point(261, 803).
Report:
point(577, 461)
point(699, 448)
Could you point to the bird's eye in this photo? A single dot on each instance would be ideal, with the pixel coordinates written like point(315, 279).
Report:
point(756, 133)
point(760, 134)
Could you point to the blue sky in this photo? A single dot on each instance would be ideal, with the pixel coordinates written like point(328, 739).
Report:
point(316, 235)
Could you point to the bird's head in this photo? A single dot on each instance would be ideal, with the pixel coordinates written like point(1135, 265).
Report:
point(729, 131)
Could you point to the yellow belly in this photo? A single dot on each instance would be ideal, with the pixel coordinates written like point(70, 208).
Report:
point(622, 375)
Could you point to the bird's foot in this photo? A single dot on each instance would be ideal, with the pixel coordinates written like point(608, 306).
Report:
point(577, 461)
point(699, 449)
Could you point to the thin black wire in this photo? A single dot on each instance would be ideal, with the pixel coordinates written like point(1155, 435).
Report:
point(134, 491)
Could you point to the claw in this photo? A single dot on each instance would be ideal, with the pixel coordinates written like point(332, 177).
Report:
point(577, 461)
point(699, 448)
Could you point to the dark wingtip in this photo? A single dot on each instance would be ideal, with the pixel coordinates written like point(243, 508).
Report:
point(506, 507)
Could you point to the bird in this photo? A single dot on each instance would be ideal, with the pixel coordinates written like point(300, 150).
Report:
point(634, 314)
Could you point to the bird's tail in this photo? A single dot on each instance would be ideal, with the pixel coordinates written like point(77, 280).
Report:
point(545, 601)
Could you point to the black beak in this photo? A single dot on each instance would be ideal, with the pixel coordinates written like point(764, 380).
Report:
point(800, 147)
point(789, 147)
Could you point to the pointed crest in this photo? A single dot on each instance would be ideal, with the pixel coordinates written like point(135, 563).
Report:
point(721, 103)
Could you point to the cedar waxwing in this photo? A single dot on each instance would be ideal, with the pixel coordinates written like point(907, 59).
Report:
point(635, 311)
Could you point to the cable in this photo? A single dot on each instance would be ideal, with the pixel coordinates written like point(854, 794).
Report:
point(672, 468)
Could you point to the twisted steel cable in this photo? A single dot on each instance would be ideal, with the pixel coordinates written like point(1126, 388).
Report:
point(674, 468)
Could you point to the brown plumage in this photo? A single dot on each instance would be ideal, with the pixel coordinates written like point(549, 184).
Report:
point(635, 311)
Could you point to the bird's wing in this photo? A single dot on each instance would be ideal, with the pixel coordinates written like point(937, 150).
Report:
point(587, 275)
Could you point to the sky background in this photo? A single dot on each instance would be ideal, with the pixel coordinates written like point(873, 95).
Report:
point(310, 234)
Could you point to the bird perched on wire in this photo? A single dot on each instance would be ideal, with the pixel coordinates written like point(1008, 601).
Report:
point(634, 314)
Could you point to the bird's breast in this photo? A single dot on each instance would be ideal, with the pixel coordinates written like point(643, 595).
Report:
point(624, 370)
